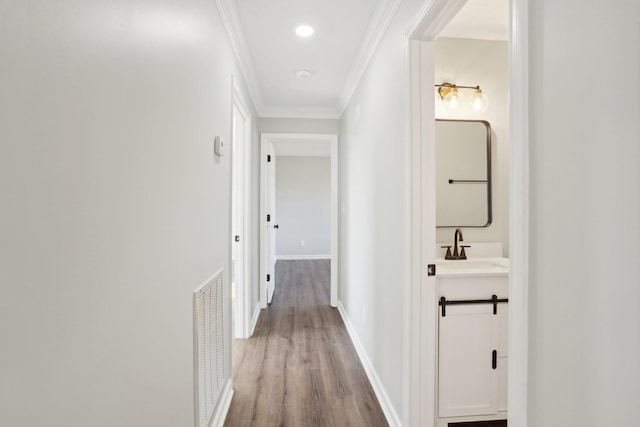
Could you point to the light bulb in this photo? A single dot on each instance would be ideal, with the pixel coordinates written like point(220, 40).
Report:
point(479, 101)
point(453, 99)
point(304, 30)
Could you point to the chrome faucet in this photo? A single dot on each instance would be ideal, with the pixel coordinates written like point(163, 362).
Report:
point(456, 254)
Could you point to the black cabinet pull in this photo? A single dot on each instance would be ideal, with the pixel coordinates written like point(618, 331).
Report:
point(494, 359)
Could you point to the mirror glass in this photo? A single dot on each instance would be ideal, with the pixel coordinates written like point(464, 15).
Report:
point(463, 173)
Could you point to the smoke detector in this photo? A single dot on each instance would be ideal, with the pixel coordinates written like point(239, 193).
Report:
point(303, 74)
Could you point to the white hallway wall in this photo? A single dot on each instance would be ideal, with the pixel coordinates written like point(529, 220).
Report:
point(485, 63)
point(375, 207)
point(303, 206)
point(585, 207)
point(113, 207)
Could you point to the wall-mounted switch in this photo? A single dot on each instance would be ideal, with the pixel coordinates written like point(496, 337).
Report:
point(301, 242)
point(218, 146)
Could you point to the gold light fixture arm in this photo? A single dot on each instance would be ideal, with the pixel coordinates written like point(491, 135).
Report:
point(445, 88)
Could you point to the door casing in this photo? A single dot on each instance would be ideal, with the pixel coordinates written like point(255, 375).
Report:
point(332, 141)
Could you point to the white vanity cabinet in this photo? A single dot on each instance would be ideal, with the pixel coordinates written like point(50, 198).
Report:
point(472, 346)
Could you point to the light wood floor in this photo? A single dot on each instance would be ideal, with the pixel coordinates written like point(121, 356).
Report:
point(300, 367)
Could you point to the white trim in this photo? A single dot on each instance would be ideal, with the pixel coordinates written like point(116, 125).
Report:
point(518, 370)
point(244, 293)
point(297, 136)
point(377, 28)
point(332, 139)
point(381, 393)
point(299, 112)
point(335, 236)
point(301, 257)
point(433, 18)
point(254, 319)
point(231, 22)
point(222, 407)
point(262, 279)
point(421, 303)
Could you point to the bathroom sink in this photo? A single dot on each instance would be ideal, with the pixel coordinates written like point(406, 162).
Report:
point(474, 266)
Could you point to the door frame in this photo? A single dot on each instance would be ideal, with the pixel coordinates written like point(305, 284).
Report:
point(271, 224)
point(422, 303)
point(332, 141)
point(242, 303)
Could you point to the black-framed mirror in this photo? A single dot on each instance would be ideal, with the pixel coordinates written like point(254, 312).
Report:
point(463, 173)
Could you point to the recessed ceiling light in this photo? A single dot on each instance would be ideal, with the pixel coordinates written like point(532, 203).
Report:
point(304, 30)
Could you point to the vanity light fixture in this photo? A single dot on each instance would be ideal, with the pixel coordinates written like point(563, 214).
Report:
point(304, 30)
point(453, 99)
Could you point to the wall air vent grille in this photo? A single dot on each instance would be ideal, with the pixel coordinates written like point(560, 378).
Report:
point(209, 342)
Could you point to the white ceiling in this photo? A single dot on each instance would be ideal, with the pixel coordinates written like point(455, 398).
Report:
point(480, 19)
point(277, 52)
point(346, 34)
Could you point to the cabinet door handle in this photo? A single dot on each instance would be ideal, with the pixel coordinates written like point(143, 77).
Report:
point(494, 359)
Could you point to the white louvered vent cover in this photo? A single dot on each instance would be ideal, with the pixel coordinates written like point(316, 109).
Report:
point(209, 343)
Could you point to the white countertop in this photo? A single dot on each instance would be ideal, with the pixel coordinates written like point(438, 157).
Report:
point(479, 266)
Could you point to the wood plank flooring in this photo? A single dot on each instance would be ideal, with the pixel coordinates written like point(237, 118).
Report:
point(300, 367)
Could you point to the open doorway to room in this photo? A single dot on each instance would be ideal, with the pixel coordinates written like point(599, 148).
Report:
point(497, 67)
point(299, 211)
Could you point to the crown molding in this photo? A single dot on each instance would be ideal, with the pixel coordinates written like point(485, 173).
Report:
point(231, 21)
point(300, 112)
point(377, 28)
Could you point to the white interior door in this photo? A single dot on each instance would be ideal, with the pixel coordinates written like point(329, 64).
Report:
point(237, 252)
point(271, 222)
point(240, 152)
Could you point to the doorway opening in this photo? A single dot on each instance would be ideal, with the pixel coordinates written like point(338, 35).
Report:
point(303, 146)
point(423, 297)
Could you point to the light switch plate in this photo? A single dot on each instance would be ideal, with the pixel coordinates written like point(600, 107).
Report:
point(218, 146)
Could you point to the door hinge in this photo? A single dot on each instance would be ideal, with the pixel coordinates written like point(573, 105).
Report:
point(268, 277)
point(268, 158)
point(268, 218)
point(237, 238)
point(431, 270)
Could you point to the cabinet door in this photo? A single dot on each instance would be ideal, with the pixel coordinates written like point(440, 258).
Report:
point(503, 352)
point(467, 382)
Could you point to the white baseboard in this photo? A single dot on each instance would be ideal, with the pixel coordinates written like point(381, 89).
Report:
point(387, 407)
point(254, 319)
point(222, 408)
point(293, 257)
